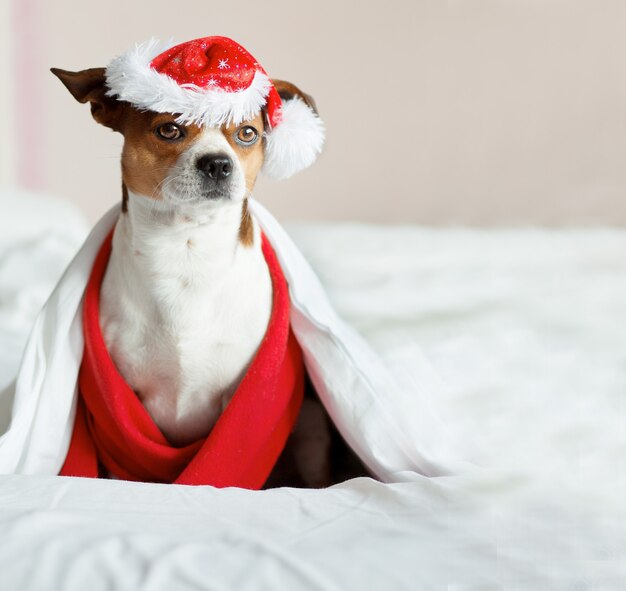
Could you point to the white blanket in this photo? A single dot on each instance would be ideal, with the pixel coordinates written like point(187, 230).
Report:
point(524, 329)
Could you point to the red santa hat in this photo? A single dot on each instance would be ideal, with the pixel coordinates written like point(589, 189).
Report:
point(214, 81)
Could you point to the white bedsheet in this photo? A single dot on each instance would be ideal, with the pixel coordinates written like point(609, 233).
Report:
point(525, 329)
point(361, 535)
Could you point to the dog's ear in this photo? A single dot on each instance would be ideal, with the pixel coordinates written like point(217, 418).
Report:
point(90, 86)
point(288, 91)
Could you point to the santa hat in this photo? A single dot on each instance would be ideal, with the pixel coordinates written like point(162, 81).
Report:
point(214, 81)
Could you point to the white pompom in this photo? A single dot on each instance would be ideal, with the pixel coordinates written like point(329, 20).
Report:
point(295, 142)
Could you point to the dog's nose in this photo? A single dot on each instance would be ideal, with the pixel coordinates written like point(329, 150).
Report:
point(215, 166)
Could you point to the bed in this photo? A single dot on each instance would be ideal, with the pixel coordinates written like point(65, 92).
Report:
point(519, 335)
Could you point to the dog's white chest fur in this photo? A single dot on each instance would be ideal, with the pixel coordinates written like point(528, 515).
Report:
point(184, 307)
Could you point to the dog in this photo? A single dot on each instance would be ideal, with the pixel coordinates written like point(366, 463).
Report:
point(187, 296)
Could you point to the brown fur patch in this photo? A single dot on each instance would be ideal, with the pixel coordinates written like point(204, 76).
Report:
point(250, 157)
point(246, 228)
point(146, 159)
point(124, 198)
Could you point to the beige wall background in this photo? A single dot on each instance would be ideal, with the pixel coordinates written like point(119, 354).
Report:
point(458, 111)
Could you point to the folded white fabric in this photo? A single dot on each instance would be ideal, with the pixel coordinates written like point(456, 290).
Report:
point(389, 425)
point(39, 236)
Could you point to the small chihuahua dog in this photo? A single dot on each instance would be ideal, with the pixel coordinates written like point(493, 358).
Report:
point(187, 295)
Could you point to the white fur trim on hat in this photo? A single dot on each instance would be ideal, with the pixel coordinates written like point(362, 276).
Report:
point(295, 142)
point(130, 78)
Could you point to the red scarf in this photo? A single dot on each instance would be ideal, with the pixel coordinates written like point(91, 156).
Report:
point(114, 431)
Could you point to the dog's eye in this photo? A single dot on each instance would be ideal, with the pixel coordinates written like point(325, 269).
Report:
point(170, 132)
point(247, 135)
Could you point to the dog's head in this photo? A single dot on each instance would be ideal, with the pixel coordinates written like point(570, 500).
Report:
point(174, 162)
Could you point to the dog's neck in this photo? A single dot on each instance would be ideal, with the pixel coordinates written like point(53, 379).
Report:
point(212, 232)
point(184, 306)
